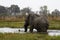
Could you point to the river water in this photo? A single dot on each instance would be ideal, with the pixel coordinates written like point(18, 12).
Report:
point(21, 30)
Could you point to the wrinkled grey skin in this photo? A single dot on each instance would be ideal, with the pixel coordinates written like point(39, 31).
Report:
point(40, 23)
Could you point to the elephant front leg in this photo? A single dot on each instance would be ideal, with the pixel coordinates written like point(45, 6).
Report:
point(26, 26)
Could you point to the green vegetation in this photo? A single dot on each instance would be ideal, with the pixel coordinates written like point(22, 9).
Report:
point(11, 24)
point(54, 24)
point(28, 36)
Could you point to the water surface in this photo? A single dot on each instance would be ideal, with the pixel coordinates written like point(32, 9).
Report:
point(21, 30)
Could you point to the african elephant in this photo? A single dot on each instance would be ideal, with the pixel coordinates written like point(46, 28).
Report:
point(40, 23)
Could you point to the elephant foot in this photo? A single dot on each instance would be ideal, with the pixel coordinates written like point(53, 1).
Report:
point(25, 31)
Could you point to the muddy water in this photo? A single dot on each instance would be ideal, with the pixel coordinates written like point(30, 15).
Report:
point(21, 30)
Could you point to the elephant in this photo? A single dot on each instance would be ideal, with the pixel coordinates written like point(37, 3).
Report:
point(40, 23)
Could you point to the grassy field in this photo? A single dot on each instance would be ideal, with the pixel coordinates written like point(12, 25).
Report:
point(53, 24)
point(18, 22)
point(28, 36)
point(12, 24)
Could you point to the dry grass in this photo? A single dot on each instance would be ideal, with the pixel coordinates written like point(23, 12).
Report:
point(12, 18)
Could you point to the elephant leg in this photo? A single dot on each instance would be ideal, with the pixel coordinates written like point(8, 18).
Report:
point(39, 30)
point(26, 26)
point(47, 26)
point(43, 30)
point(31, 29)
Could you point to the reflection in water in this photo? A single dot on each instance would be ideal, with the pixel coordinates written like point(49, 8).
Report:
point(21, 30)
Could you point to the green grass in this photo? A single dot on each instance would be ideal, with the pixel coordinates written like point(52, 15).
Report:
point(53, 24)
point(11, 24)
point(28, 36)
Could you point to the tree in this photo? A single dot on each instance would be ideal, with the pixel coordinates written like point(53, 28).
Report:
point(15, 9)
point(56, 13)
point(25, 10)
point(3, 11)
point(43, 10)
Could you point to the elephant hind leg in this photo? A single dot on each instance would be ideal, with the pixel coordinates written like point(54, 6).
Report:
point(42, 30)
point(39, 30)
point(31, 29)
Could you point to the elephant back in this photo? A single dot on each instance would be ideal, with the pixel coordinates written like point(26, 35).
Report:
point(41, 22)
